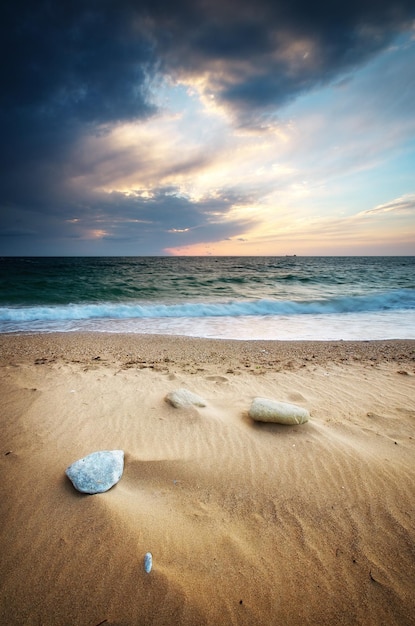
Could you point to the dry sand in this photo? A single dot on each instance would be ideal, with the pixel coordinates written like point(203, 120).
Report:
point(248, 523)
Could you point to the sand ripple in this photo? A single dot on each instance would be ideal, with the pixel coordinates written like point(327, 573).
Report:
point(247, 523)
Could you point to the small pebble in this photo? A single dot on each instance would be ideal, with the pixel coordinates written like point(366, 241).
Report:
point(148, 562)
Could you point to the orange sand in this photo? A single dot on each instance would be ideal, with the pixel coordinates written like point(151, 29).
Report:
point(248, 524)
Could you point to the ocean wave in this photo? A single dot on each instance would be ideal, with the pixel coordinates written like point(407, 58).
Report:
point(403, 299)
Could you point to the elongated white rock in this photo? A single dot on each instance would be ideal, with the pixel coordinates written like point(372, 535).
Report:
point(97, 472)
point(265, 410)
point(148, 562)
point(183, 397)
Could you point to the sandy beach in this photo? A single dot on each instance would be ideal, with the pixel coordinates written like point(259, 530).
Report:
point(248, 524)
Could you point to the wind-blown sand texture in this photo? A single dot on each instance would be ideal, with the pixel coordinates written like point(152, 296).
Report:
point(255, 524)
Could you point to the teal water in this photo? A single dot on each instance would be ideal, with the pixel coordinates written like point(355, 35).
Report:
point(233, 297)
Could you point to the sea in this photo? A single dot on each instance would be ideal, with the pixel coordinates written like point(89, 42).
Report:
point(279, 298)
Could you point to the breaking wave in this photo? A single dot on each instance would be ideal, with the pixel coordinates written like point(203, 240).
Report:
point(403, 299)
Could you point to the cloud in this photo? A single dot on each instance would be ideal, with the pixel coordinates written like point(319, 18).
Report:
point(405, 205)
point(92, 153)
point(75, 60)
point(95, 62)
point(254, 57)
point(121, 223)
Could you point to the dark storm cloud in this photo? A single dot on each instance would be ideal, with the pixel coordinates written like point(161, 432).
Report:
point(257, 55)
point(69, 69)
point(170, 219)
point(99, 223)
point(73, 60)
point(65, 68)
point(166, 212)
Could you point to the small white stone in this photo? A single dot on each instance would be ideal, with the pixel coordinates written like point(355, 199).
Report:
point(266, 410)
point(148, 562)
point(183, 398)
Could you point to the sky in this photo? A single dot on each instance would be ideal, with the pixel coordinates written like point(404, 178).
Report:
point(207, 127)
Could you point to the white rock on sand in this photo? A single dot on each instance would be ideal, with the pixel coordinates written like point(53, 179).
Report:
point(148, 562)
point(183, 398)
point(266, 410)
point(97, 472)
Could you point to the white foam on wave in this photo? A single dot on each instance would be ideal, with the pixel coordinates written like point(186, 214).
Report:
point(400, 299)
point(372, 316)
point(351, 326)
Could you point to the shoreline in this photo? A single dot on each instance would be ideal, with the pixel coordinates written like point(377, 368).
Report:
point(247, 523)
point(156, 348)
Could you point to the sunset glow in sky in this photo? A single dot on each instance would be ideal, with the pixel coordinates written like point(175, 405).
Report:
point(224, 128)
